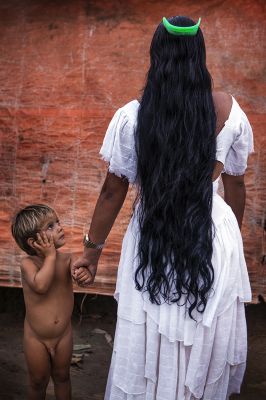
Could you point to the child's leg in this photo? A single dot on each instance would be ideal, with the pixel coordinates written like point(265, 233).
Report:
point(39, 367)
point(61, 365)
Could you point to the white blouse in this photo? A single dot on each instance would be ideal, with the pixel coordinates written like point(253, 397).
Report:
point(233, 144)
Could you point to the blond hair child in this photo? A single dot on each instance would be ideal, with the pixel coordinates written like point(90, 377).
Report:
point(48, 294)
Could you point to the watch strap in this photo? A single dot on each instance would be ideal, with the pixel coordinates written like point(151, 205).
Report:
point(91, 245)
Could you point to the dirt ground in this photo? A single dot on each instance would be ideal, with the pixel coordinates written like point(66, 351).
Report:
point(95, 326)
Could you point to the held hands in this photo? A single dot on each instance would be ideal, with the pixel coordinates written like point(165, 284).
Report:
point(85, 268)
point(44, 245)
point(82, 276)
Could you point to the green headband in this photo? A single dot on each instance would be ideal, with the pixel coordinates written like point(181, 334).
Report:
point(181, 30)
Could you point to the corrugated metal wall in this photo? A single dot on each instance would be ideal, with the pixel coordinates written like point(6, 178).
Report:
point(66, 66)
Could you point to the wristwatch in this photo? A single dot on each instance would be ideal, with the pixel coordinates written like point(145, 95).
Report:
point(90, 245)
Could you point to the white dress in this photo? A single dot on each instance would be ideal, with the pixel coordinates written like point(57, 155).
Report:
point(159, 352)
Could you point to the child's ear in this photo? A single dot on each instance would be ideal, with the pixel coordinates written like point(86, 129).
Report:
point(30, 242)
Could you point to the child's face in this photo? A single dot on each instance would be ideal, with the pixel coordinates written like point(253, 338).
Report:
point(51, 226)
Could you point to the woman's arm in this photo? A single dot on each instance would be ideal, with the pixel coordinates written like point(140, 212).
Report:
point(109, 203)
point(235, 194)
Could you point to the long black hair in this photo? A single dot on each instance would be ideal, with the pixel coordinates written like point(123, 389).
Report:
point(175, 146)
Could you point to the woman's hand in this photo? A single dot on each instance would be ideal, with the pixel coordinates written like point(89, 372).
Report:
point(85, 268)
point(82, 276)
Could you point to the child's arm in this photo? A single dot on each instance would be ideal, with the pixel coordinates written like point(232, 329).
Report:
point(40, 280)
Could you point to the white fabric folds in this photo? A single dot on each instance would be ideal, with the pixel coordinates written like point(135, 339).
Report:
point(160, 353)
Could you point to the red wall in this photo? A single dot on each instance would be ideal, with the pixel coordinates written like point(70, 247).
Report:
point(66, 66)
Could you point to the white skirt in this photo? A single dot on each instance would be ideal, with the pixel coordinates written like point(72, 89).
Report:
point(160, 353)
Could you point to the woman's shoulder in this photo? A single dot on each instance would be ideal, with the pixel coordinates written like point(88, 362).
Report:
point(223, 104)
point(221, 97)
point(228, 111)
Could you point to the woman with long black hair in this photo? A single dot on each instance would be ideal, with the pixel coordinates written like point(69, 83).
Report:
point(182, 278)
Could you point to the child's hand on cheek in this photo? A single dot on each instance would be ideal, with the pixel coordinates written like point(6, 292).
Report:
point(44, 245)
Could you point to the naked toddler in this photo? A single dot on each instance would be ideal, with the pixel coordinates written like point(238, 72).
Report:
point(48, 295)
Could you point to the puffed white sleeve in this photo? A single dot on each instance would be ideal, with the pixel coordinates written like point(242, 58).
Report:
point(237, 156)
point(118, 148)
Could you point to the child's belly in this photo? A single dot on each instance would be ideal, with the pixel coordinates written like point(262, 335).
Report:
point(50, 343)
point(50, 318)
